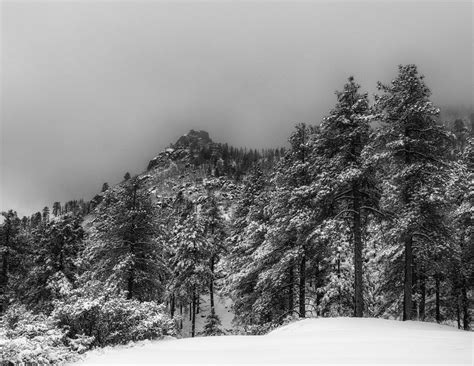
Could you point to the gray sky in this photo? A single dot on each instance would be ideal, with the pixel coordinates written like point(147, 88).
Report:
point(90, 90)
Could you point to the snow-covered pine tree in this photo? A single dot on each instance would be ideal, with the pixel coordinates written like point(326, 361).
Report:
point(247, 233)
point(343, 135)
point(293, 215)
point(9, 251)
point(214, 230)
point(213, 324)
point(54, 252)
point(271, 254)
point(125, 249)
point(56, 208)
point(45, 214)
point(190, 271)
point(461, 215)
point(413, 148)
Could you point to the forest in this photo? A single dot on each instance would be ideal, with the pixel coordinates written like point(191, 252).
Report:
point(367, 213)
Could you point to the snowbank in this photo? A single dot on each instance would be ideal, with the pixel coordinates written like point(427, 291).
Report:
point(310, 341)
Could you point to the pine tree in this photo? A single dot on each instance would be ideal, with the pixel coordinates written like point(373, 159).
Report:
point(45, 215)
point(55, 250)
point(189, 262)
point(215, 232)
point(247, 233)
point(339, 146)
point(292, 219)
point(297, 181)
point(56, 208)
point(36, 219)
point(9, 244)
point(414, 149)
point(126, 245)
point(462, 199)
point(212, 325)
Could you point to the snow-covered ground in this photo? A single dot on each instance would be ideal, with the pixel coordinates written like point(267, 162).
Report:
point(310, 341)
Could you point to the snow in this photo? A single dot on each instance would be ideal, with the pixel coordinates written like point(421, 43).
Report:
point(310, 341)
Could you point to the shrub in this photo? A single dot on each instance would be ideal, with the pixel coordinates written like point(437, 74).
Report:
point(27, 338)
point(113, 320)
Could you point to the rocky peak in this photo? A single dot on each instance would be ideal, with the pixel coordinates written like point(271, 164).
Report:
point(184, 149)
point(194, 139)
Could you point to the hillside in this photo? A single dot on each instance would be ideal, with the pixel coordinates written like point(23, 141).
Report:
point(311, 341)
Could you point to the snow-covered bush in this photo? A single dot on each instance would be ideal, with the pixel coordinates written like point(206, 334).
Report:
point(213, 325)
point(27, 338)
point(113, 320)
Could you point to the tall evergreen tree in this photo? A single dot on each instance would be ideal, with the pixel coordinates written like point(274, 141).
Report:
point(189, 262)
point(339, 146)
point(247, 233)
point(56, 208)
point(54, 252)
point(414, 148)
point(45, 215)
point(126, 245)
point(215, 232)
point(9, 243)
point(462, 199)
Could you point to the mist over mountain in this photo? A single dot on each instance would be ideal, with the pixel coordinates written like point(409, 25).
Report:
point(92, 90)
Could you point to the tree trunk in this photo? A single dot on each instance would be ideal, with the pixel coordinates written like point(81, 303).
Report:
point(339, 293)
point(465, 305)
point(130, 286)
point(172, 306)
point(437, 284)
point(181, 315)
point(357, 235)
point(458, 312)
point(414, 310)
point(193, 325)
point(291, 304)
point(316, 283)
point(422, 295)
point(302, 287)
point(408, 288)
point(211, 283)
point(408, 245)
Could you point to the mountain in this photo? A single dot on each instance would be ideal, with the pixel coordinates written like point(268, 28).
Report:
point(189, 173)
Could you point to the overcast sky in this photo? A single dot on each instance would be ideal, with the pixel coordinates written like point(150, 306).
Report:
point(90, 90)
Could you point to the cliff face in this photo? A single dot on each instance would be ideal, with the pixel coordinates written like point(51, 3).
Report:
point(194, 139)
point(184, 150)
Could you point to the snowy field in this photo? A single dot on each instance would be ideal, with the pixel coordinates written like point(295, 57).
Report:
point(311, 341)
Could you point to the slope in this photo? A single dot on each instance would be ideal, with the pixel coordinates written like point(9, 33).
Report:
point(313, 341)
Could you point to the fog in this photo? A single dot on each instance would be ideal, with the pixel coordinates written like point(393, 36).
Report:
point(91, 90)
